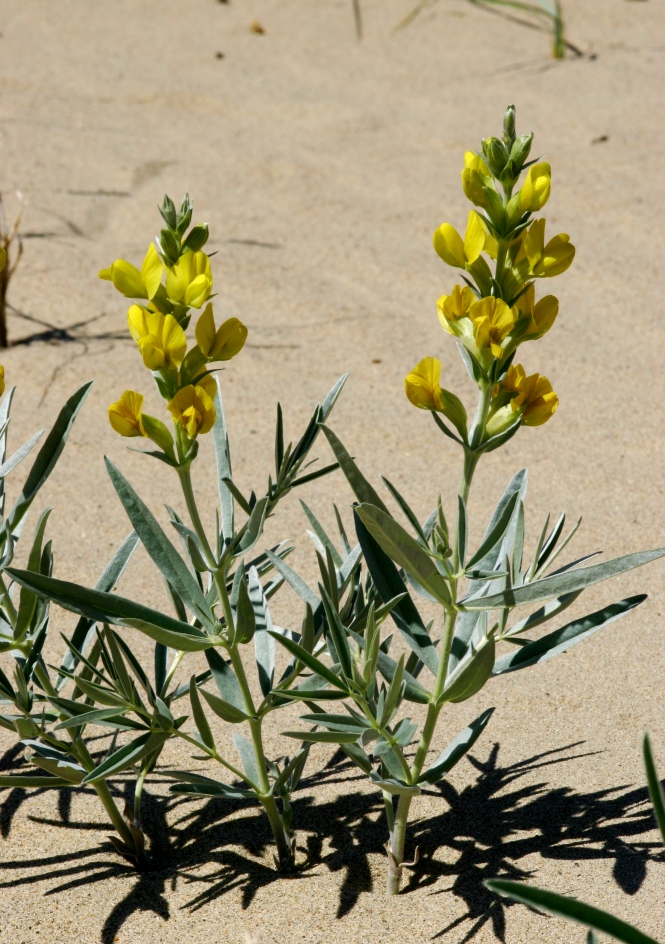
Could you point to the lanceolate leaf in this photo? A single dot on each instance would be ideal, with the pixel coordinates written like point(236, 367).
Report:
point(323, 737)
point(110, 608)
point(390, 585)
point(363, 491)
point(225, 710)
point(559, 584)
point(126, 756)
point(563, 639)
point(405, 551)
point(310, 661)
point(570, 908)
point(223, 456)
point(198, 785)
point(48, 455)
point(655, 787)
point(160, 549)
point(456, 749)
point(225, 679)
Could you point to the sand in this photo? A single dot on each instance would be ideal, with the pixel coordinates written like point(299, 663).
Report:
point(323, 165)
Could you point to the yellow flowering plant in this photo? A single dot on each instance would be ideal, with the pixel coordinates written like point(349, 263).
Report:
point(219, 584)
point(491, 314)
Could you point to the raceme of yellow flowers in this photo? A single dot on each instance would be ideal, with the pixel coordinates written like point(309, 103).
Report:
point(175, 279)
point(494, 312)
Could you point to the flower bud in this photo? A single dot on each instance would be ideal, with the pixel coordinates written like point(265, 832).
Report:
point(167, 209)
point(196, 238)
point(520, 151)
point(509, 125)
point(495, 154)
point(535, 190)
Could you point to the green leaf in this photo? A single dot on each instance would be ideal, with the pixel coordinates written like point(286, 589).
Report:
point(48, 455)
point(253, 527)
point(99, 716)
point(394, 786)
point(110, 608)
point(320, 533)
point(655, 786)
point(223, 455)
point(225, 679)
point(160, 549)
point(496, 532)
point(472, 673)
point(563, 639)
point(462, 530)
point(570, 908)
point(296, 582)
point(406, 508)
point(456, 749)
point(310, 661)
point(197, 785)
point(19, 455)
point(543, 614)
point(245, 751)
point(361, 488)
point(338, 635)
point(405, 551)
point(264, 644)
point(322, 737)
point(53, 761)
point(27, 599)
point(245, 618)
point(559, 584)
point(336, 722)
point(389, 584)
point(224, 709)
point(85, 627)
point(200, 719)
point(126, 756)
point(413, 691)
point(15, 781)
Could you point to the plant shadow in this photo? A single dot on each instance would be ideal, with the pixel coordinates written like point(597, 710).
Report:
point(483, 831)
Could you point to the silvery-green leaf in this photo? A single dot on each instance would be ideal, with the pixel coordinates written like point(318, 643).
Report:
point(160, 549)
point(310, 661)
point(323, 737)
point(223, 456)
point(198, 785)
point(253, 528)
point(225, 679)
point(546, 612)
point(456, 749)
point(245, 751)
point(224, 709)
point(264, 644)
point(397, 787)
point(655, 786)
point(563, 639)
point(361, 488)
point(320, 533)
point(559, 584)
point(19, 455)
point(471, 673)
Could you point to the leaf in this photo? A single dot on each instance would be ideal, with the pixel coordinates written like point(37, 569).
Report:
point(655, 786)
point(296, 582)
point(471, 674)
point(496, 531)
point(264, 644)
point(338, 635)
point(570, 908)
point(27, 599)
point(405, 551)
point(200, 719)
point(245, 751)
point(245, 619)
point(225, 679)
point(126, 756)
point(389, 584)
point(48, 455)
point(321, 534)
point(53, 761)
point(322, 737)
point(160, 549)
point(223, 456)
point(397, 787)
point(563, 639)
point(110, 608)
point(310, 661)
point(456, 749)
point(559, 584)
point(361, 488)
point(85, 627)
point(99, 716)
point(19, 455)
point(462, 530)
point(224, 709)
point(16, 781)
point(253, 527)
point(336, 722)
point(195, 785)
point(542, 615)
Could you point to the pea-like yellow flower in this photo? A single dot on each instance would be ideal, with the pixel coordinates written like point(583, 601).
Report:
point(476, 179)
point(548, 260)
point(2, 377)
point(492, 321)
point(542, 315)
point(424, 390)
point(454, 307)
point(458, 252)
point(159, 337)
point(192, 408)
point(223, 343)
point(126, 415)
point(132, 283)
point(535, 399)
point(189, 281)
point(535, 190)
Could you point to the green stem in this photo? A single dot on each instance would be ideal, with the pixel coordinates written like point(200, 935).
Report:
point(104, 794)
point(138, 790)
point(188, 491)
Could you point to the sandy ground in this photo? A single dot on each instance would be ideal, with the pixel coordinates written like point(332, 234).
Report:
point(323, 165)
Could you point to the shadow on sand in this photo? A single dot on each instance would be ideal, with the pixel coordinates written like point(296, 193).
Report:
point(482, 832)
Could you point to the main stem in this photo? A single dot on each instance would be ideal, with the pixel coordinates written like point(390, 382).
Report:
point(398, 833)
point(266, 798)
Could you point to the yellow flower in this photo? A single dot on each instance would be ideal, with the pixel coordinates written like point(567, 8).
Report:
point(189, 281)
point(159, 337)
point(493, 321)
point(548, 260)
point(457, 252)
point(2, 379)
point(542, 315)
point(453, 307)
point(219, 344)
point(535, 190)
point(132, 283)
point(535, 399)
point(475, 162)
point(193, 409)
point(422, 385)
point(126, 416)
point(476, 178)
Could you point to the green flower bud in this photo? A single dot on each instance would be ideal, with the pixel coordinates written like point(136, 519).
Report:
point(509, 126)
point(167, 209)
point(197, 238)
point(495, 154)
point(520, 151)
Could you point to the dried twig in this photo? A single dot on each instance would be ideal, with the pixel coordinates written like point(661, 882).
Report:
point(8, 237)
